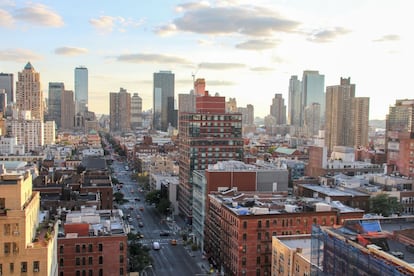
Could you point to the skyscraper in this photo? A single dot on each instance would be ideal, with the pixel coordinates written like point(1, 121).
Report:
point(312, 119)
point(313, 87)
point(81, 89)
point(295, 102)
point(278, 109)
point(6, 83)
point(346, 116)
point(29, 96)
point(207, 136)
point(136, 111)
point(55, 101)
point(67, 114)
point(163, 101)
point(120, 110)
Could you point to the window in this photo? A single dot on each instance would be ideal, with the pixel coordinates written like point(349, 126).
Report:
point(90, 260)
point(121, 259)
point(244, 224)
point(7, 248)
point(121, 271)
point(83, 261)
point(61, 273)
point(259, 224)
point(77, 261)
point(259, 248)
point(258, 260)
point(121, 246)
point(100, 247)
point(267, 223)
point(11, 267)
point(23, 266)
point(90, 247)
point(6, 230)
point(83, 272)
point(61, 262)
point(90, 273)
point(36, 266)
point(259, 236)
point(244, 261)
point(244, 236)
point(77, 273)
point(100, 272)
point(77, 248)
point(100, 259)
point(83, 247)
point(61, 249)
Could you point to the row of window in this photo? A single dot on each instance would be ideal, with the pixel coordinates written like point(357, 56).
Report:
point(23, 267)
point(89, 248)
point(82, 261)
point(289, 222)
point(90, 272)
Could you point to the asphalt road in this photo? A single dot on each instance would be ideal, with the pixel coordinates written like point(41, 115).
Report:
point(170, 259)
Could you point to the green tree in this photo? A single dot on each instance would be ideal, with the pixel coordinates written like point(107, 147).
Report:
point(164, 206)
point(385, 205)
point(153, 197)
point(119, 198)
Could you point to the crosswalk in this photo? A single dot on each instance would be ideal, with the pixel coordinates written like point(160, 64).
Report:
point(160, 241)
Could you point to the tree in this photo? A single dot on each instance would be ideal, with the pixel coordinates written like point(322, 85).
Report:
point(164, 206)
point(385, 205)
point(153, 197)
point(119, 198)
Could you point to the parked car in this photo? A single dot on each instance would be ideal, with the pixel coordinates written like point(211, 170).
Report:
point(156, 246)
point(140, 224)
point(173, 242)
point(164, 233)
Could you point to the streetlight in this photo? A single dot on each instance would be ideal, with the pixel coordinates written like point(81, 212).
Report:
point(143, 270)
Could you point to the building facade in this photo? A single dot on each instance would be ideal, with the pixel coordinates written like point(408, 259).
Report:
point(56, 89)
point(7, 83)
point(28, 244)
point(313, 90)
point(278, 109)
point(67, 110)
point(29, 133)
point(81, 89)
point(206, 137)
point(29, 96)
point(163, 100)
point(295, 102)
point(120, 110)
point(50, 132)
point(136, 111)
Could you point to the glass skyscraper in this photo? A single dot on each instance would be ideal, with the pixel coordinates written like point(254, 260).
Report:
point(313, 90)
point(164, 113)
point(81, 89)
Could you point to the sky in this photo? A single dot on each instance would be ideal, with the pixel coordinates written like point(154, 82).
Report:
point(243, 50)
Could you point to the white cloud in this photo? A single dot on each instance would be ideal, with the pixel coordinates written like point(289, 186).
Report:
point(389, 37)
point(327, 35)
point(39, 14)
point(152, 58)
point(220, 65)
point(257, 44)
point(18, 55)
point(70, 51)
point(6, 19)
point(108, 24)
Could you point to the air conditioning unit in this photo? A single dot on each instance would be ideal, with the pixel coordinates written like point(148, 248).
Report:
point(35, 270)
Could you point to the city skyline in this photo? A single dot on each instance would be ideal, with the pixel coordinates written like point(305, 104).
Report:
point(239, 48)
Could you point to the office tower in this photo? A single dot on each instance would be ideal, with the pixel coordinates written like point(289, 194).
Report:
point(3, 101)
point(278, 109)
point(399, 129)
point(163, 101)
point(231, 105)
point(339, 125)
point(206, 136)
point(295, 102)
point(120, 110)
point(247, 114)
point(28, 237)
point(313, 87)
point(312, 119)
point(55, 101)
point(360, 119)
point(6, 83)
point(136, 111)
point(199, 87)
point(67, 110)
point(81, 89)
point(50, 132)
point(29, 96)
point(186, 102)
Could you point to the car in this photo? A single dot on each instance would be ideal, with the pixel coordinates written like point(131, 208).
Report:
point(173, 242)
point(138, 217)
point(131, 207)
point(156, 246)
point(137, 199)
point(164, 233)
point(140, 224)
point(141, 208)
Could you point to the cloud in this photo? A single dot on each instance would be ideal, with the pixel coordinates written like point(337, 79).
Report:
point(107, 24)
point(165, 30)
point(6, 19)
point(39, 14)
point(152, 58)
point(219, 83)
point(389, 37)
point(18, 55)
point(248, 20)
point(256, 44)
point(262, 69)
point(327, 35)
point(220, 65)
point(191, 6)
point(70, 51)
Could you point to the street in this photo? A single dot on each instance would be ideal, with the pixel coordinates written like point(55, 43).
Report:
point(169, 259)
